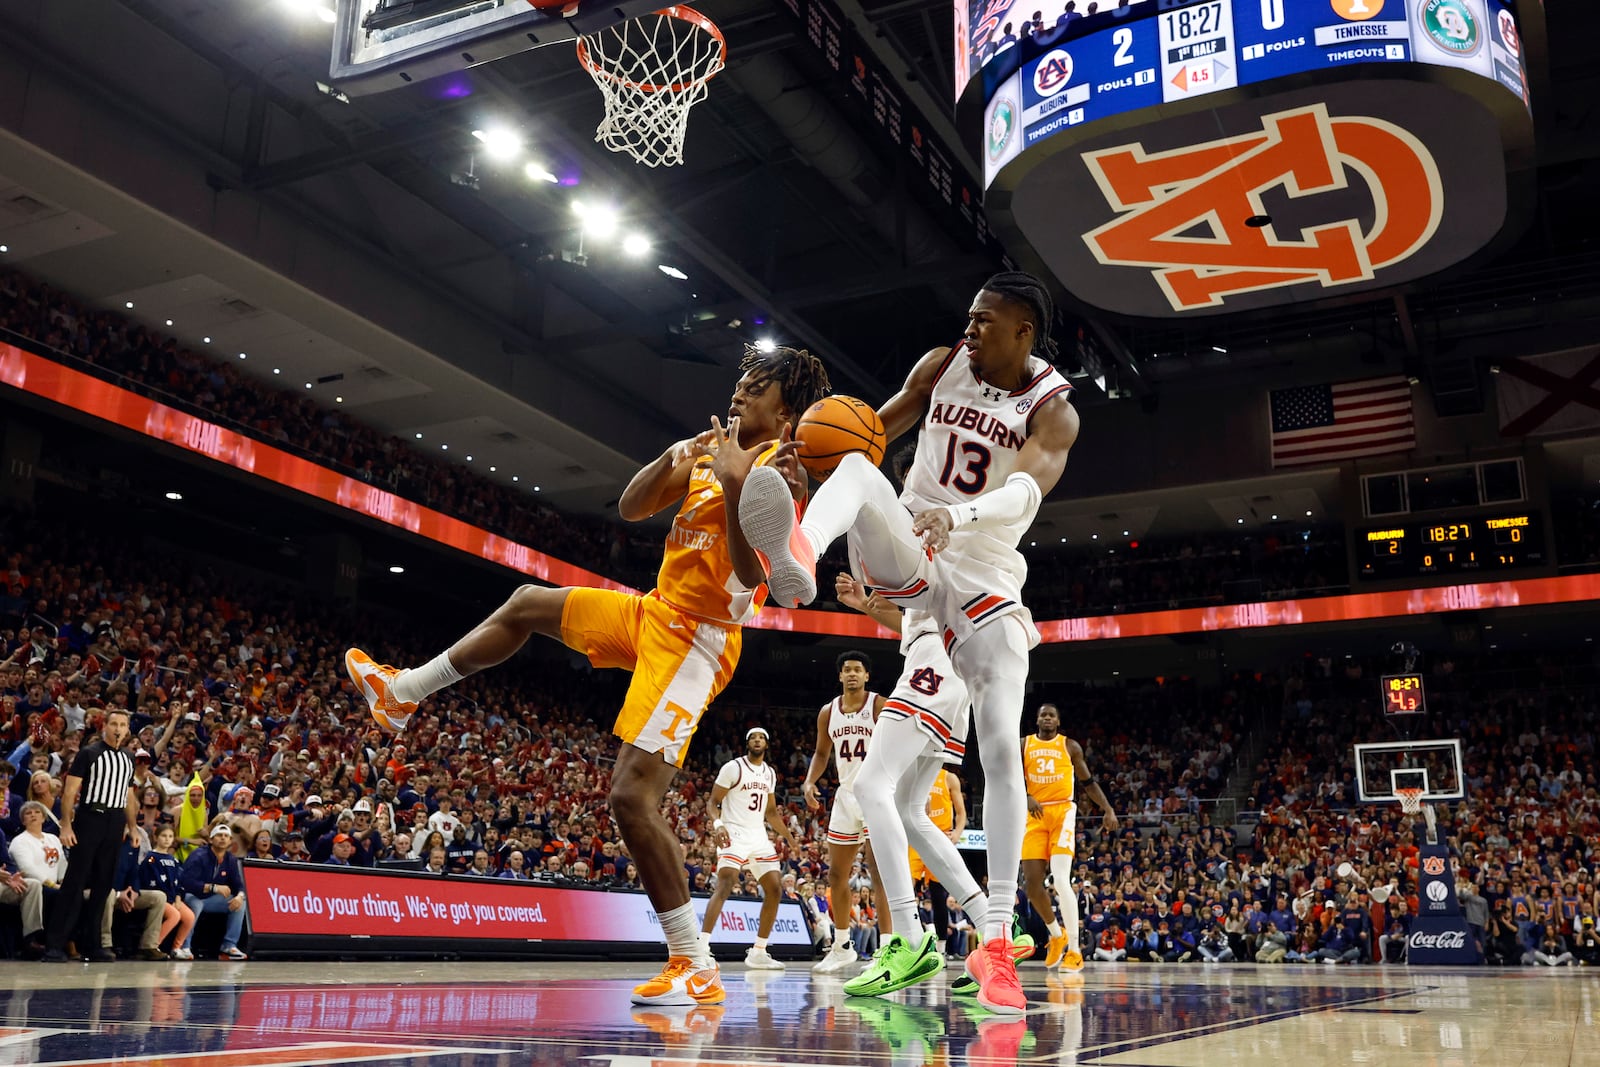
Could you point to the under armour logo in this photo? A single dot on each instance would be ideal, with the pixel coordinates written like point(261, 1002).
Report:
point(991, 393)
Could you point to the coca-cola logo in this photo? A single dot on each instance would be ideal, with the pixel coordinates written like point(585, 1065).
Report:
point(1449, 939)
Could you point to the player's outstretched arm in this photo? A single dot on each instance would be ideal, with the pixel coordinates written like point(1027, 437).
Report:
point(903, 411)
point(852, 594)
point(663, 481)
point(1081, 774)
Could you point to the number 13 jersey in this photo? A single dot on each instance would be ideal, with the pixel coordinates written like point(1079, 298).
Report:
point(971, 436)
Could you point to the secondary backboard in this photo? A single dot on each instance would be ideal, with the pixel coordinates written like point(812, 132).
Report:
point(385, 44)
point(1435, 767)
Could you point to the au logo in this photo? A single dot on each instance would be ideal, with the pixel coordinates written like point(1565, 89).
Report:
point(1002, 127)
point(1433, 866)
point(1052, 73)
point(1451, 26)
point(1216, 188)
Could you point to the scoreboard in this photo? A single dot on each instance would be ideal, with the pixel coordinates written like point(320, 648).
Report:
point(1403, 694)
point(1068, 74)
point(1458, 546)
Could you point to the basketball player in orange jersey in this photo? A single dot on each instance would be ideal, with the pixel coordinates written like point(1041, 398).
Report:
point(997, 425)
point(844, 728)
point(1054, 765)
point(681, 640)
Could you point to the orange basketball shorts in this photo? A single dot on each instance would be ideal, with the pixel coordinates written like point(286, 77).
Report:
point(1052, 834)
point(679, 663)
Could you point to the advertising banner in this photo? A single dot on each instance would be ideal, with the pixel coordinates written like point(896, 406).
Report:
point(292, 900)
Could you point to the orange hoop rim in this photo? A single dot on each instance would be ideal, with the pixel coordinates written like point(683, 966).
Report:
point(1410, 798)
point(676, 11)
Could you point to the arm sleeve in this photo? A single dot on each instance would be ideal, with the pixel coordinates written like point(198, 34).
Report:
point(1015, 502)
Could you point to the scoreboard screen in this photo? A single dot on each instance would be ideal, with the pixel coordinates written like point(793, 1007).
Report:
point(1066, 70)
point(1456, 546)
point(1403, 694)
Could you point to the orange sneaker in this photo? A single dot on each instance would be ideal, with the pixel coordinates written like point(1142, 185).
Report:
point(1055, 950)
point(992, 967)
point(682, 982)
point(1072, 961)
point(372, 682)
point(769, 518)
point(679, 1024)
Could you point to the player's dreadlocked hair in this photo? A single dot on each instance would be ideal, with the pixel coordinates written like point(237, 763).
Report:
point(800, 376)
point(902, 461)
point(1030, 292)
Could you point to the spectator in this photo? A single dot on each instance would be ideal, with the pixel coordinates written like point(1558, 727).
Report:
point(161, 872)
point(1586, 944)
point(212, 881)
point(436, 862)
point(515, 866)
point(1552, 950)
point(1214, 947)
point(1143, 943)
point(38, 854)
point(1112, 945)
point(340, 849)
point(28, 893)
point(1274, 944)
point(128, 896)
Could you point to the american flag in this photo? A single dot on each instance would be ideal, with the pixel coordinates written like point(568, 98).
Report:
point(1329, 423)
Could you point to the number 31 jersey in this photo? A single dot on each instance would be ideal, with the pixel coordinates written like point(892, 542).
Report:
point(971, 436)
point(851, 733)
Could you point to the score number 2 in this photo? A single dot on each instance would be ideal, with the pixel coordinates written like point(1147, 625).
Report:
point(1123, 39)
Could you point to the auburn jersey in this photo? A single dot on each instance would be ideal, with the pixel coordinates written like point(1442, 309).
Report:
point(696, 573)
point(1048, 766)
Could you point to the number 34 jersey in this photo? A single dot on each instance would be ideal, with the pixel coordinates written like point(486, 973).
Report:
point(851, 733)
point(971, 436)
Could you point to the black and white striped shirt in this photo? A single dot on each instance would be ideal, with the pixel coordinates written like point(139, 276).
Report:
point(107, 774)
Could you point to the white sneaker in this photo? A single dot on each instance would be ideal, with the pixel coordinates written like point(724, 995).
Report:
point(840, 956)
point(759, 959)
point(181, 953)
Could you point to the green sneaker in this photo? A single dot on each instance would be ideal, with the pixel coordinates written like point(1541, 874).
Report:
point(964, 985)
point(897, 964)
point(899, 1026)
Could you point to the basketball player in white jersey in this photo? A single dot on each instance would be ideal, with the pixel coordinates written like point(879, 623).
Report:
point(741, 801)
point(844, 728)
point(997, 426)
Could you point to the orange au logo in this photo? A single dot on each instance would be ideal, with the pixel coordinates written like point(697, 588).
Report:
point(1194, 216)
point(1433, 866)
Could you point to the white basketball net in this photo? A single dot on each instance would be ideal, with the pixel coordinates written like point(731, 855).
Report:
point(1410, 800)
point(651, 71)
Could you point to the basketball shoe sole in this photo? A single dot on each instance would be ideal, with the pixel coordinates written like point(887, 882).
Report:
point(767, 517)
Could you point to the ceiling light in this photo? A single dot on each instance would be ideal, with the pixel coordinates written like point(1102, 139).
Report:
point(419, 437)
point(636, 244)
point(308, 385)
point(276, 370)
point(1240, 521)
point(174, 496)
point(1063, 540)
point(766, 344)
point(397, 569)
point(514, 478)
point(1219, 348)
point(241, 355)
point(537, 173)
point(672, 272)
point(599, 221)
point(128, 305)
point(338, 400)
point(537, 488)
point(469, 459)
point(492, 470)
point(500, 142)
point(207, 340)
point(1033, 544)
point(169, 322)
point(1274, 518)
point(3, 248)
point(1308, 514)
point(1094, 537)
point(444, 448)
point(1124, 533)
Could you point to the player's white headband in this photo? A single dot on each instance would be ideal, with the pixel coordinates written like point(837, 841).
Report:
point(756, 730)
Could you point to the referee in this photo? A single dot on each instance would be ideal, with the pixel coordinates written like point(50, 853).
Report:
point(99, 807)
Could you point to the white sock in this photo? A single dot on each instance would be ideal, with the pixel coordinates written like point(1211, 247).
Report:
point(420, 683)
point(903, 913)
point(683, 934)
point(1054, 928)
point(761, 943)
point(977, 908)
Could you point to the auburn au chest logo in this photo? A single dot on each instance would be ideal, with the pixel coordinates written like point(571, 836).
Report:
point(1195, 215)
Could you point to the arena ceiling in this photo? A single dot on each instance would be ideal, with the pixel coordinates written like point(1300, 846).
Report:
point(179, 155)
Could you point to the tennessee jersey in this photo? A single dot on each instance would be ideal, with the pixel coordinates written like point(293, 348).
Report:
point(1048, 767)
point(696, 575)
point(940, 810)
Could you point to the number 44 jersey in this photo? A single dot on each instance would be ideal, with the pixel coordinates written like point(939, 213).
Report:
point(851, 733)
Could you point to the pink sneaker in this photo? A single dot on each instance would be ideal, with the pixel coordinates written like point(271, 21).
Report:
point(995, 971)
point(769, 518)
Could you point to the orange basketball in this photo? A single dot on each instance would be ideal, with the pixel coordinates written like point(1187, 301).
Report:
point(834, 427)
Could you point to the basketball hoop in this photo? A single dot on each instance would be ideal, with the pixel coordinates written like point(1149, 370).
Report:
point(1410, 800)
point(651, 71)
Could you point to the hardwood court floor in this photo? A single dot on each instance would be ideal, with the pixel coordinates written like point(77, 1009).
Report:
point(482, 1014)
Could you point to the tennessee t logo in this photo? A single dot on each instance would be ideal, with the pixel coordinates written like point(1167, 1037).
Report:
point(681, 716)
point(1186, 213)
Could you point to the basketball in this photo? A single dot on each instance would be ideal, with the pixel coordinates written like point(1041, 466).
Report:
point(834, 427)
